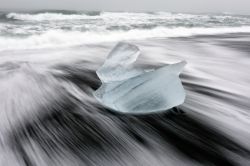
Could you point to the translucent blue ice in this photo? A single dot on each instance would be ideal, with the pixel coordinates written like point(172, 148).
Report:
point(119, 64)
point(125, 89)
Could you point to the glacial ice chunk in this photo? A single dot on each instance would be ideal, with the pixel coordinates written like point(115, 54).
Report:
point(119, 63)
point(142, 93)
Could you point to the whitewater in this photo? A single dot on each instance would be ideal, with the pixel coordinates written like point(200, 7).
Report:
point(49, 116)
point(51, 29)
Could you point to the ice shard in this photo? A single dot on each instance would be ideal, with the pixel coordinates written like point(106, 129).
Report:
point(128, 90)
point(119, 63)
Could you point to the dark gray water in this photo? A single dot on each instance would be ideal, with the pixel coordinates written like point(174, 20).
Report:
point(48, 115)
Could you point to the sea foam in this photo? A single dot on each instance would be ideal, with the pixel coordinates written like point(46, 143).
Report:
point(61, 38)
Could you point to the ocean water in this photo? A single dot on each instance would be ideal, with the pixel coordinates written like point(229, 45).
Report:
point(48, 115)
point(60, 29)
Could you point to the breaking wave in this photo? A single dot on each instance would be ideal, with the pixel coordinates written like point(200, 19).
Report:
point(59, 28)
point(46, 16)
point(60, 38)
point(74, 15)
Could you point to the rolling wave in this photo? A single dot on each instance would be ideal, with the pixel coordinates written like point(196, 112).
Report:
point(42, 29)
point(46, 16)
point(73, 15)
point(65, 15)
point(60, 38)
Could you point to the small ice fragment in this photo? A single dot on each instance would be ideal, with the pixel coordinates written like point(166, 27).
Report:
point(148, 92)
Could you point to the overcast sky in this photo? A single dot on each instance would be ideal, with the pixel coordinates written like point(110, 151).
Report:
point(233, 6)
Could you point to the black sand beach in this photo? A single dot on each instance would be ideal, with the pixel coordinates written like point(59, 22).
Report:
point(53, 119)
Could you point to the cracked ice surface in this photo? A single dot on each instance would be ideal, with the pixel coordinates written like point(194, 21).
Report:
point(128, 90)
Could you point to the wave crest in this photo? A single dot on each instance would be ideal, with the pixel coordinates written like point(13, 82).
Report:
point(60, 38)
point(45, 16)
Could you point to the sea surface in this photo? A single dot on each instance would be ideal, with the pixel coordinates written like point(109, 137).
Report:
point(49, 117)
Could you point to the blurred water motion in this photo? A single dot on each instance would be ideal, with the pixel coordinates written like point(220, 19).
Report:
point(48, 115)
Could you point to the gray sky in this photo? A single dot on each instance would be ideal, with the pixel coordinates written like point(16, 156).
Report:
point(233, 6)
